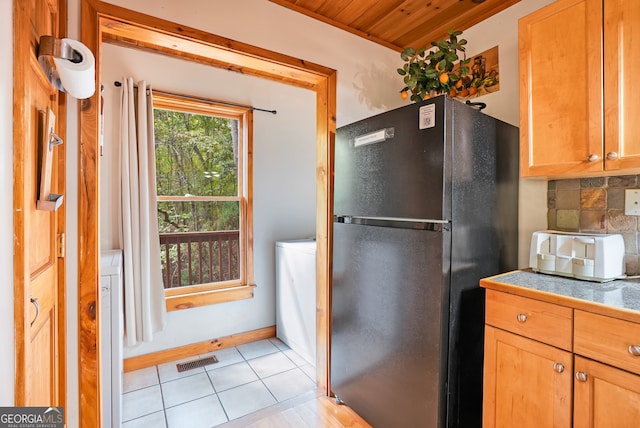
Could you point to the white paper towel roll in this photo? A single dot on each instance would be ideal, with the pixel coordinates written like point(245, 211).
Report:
point(78, 79)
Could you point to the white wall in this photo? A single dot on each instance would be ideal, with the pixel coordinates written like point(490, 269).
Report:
point(284, 144)
point(284, 208)
point(502, 30)
point(7, 348)
point(367, 79)
point(284, 178)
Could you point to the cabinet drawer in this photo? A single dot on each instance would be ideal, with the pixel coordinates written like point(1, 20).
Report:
point(541, 321)
point(606, 339)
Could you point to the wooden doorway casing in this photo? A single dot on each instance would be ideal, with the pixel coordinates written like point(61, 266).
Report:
point(105, 23)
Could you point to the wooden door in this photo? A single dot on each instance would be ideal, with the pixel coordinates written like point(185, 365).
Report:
point(560, 56)
point(621, 85)
point(524, 385)
point(38, 234)
point(605, 397)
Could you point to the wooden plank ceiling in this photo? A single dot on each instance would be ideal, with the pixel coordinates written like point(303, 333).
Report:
point(398, 24)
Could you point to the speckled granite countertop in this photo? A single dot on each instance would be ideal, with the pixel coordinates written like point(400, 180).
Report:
point(619, 298)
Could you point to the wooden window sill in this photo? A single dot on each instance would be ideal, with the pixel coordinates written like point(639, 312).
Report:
point(210, 297)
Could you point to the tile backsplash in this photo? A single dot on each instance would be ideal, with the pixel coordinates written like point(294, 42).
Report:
point(595, 205)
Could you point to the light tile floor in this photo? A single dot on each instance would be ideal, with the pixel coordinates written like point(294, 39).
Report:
point(245, 379)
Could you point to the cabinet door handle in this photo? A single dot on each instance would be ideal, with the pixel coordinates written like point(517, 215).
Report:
point(612, 156)
point(558, 367)
point(593, 158)
point(581, 376)
point(634, 350)
point(34, 300)
point(521, 317)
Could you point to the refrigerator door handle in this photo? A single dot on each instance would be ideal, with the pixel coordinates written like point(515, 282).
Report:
point(395, 222)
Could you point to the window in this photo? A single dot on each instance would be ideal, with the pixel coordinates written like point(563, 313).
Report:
point(203, 179)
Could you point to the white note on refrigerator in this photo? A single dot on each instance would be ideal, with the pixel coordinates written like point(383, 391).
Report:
point(428, 116)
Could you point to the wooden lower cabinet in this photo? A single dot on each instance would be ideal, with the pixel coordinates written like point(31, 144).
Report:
point(526, 383)
point(605, 397)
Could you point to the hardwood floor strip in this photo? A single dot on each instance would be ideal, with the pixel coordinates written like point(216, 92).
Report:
point(344, 415)
point(311, 410)
point(277, 420)
point(308, 415)
point(324, 417)
point(294, 420)
point(251, 419)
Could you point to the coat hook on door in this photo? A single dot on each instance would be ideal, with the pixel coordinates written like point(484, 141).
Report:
point(47, 201)
point(54, 140)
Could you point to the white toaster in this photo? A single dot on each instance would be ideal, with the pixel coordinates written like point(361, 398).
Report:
point(592, 257)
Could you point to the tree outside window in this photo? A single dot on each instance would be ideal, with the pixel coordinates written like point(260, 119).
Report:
point(202, 178)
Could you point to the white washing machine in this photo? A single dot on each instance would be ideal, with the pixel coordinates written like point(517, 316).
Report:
point(296, 296)
point(112, 336)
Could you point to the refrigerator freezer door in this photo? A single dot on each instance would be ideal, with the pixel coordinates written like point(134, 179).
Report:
point(387, 331)
point(396, 176)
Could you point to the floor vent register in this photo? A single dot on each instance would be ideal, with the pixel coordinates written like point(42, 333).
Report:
point(183, 367)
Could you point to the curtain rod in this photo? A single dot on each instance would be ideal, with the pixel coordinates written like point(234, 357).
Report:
point(189, 97)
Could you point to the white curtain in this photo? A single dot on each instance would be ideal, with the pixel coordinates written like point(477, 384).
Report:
point(144, 304)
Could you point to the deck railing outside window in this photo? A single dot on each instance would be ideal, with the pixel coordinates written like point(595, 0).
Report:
point(190, 258)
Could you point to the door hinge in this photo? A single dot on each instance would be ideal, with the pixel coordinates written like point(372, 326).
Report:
point(61, 245)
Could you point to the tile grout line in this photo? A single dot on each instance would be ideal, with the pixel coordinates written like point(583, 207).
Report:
point(260, 377)
point(215, 390)
point(253, 370)
point(164, 409)
point(281, 351)
point(297, 365)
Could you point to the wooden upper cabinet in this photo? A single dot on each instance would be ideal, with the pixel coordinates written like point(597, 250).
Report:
point(621, 84)
point(560, 55)
point(578, 88)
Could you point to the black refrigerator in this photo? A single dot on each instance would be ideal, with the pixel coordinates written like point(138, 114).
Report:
point(425, 205)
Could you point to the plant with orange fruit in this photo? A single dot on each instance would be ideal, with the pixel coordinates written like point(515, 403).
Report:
point(431, 72)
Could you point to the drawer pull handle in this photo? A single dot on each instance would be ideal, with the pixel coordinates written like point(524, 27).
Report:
point(581, 376)
point(634, 350)
point(521, 317)
point(558, 367)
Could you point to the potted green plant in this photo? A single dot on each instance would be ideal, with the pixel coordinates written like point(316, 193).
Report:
point(433, 72)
